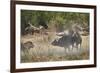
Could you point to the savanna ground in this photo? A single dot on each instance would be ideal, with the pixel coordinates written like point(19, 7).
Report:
point(44, 51)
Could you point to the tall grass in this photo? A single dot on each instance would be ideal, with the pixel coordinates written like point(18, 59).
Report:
point(43, 50)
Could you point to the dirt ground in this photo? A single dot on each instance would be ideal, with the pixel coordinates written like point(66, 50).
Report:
point(44, 51)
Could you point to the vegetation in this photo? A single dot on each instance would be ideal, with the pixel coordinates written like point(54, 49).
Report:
point(43, 51)
point(58, 20)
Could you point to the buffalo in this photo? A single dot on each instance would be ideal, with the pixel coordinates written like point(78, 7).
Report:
point(70, 41)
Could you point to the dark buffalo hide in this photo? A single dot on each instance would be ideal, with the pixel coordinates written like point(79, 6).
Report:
point(68, 40)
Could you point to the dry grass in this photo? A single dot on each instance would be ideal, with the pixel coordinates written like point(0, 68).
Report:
point(43, 50)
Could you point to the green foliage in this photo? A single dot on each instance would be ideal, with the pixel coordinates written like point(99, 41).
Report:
point(61, 20)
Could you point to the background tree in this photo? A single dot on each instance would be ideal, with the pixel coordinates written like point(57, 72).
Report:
point(58, 21)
